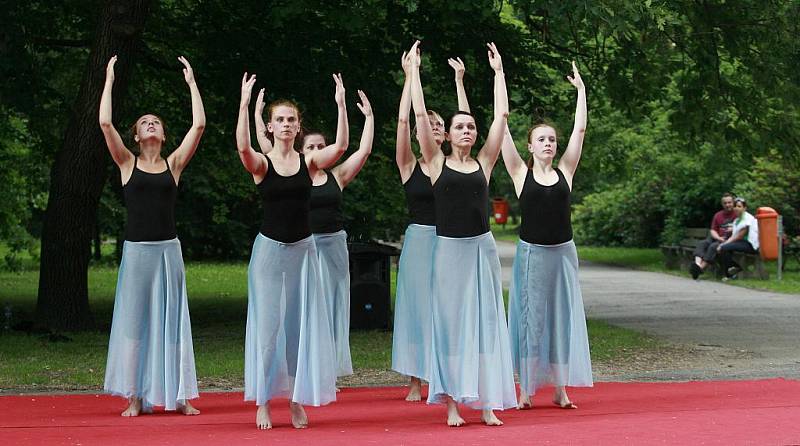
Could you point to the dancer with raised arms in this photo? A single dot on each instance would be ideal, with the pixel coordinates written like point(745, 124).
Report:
point(546, 316)
point(289, 349)
point(327, 223)
point(470, 352)
point(150, 356)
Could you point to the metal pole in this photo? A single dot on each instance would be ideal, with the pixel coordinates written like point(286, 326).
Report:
point(780, 247)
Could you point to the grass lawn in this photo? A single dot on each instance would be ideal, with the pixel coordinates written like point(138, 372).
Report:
point(651, 259)
point(218, 307)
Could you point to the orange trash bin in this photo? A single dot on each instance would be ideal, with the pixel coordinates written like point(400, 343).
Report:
point(500, 210)
point(767, 233)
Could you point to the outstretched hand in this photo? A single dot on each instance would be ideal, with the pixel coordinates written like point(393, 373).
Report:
point(413, 55)
point(339, 95)
point(364, 106)
point(458, 67)
point(575, 79)
point(188, 74)
point(260, 102)
point(247, 87)
point(494, 57)
point(110, 68)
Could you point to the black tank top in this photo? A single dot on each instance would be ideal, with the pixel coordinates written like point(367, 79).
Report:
point(326, 207)
point(150, 202)
point(546, 214)
point(286, 204)
point(462, 203)
point(419, 198)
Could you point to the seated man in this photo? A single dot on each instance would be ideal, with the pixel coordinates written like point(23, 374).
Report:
point(744, 238)
point(721, 228)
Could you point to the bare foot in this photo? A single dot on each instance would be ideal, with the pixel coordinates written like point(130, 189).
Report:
point(414, 390)
point(134, 407)
point(561, 399)
point(488, 417)
point(262, 417)
point(188, 409)
point(524, 401)
point(453, 417)
point(299, 418)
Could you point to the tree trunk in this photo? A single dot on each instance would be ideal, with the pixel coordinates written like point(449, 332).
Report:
point(79, 173)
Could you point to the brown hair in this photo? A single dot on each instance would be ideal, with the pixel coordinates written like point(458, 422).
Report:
point(530, 135)
point(134, 127)
point(291, 104)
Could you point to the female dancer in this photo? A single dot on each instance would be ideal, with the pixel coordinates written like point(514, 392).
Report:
point(288, 342)
point(470, 352)
point(327, 224)
point(150, 356)
point(546, 317)
point(412, 321)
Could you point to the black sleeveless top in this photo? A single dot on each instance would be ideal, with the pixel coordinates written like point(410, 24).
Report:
point(286, 204)
point(546, 214)
point(150, 202)
point(419, 198)
point(462, 203)
point(326, 207)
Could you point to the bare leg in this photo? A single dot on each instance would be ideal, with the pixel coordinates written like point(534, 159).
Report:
point(561, 399)
point(299, 418)
point(263, 420)
point(414, 390)
point(703, 264)
point(524, 400)
point(453, 417)
point(188, 409)
point(134, 407)
point(490, 419)
point(699, 261)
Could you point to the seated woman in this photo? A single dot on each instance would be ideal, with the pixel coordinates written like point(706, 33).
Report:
point(744, 238)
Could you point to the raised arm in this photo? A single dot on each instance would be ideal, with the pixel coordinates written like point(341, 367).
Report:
point(121, 155)
point(572, 156)
point(261, 129)
point(324, 158)
point(430, 151)
point(403, 155)
point(254, 162)
point(515, 165)
point(491, 148)
point(458, 67)
point(180, 158)
point(345, 172)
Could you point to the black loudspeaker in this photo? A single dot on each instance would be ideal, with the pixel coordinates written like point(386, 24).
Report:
point(370, 285)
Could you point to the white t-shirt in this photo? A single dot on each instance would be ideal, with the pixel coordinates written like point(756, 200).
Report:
point(747, 221)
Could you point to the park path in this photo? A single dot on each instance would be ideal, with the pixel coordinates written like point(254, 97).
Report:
point(737, 333)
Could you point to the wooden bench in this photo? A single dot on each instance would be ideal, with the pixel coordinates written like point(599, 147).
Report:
point(681, 255)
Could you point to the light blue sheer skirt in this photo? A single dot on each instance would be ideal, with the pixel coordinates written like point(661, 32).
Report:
point(334, 263)
point(150, 352)
point(289, 350)
point(470, 352)
point(411, 339)
point(546, 318)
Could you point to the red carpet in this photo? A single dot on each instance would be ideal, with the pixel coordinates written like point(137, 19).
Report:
point(733, 412)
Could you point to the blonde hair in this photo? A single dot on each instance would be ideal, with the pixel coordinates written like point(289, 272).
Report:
point(530, 135)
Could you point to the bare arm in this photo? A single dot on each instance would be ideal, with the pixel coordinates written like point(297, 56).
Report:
point(514, 163)
point(121, 155)
point(253, 162)
point(261, 129)
point(491, 148)
point(324, 158)
point(180, 158)
point(572, 156)
point(403, 155)
point(345, 172)
point(458, 67)
point(430, 152)
point(715, 235)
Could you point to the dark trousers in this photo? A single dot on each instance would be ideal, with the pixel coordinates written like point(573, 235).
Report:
point(707, 249)
point(727, 250)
